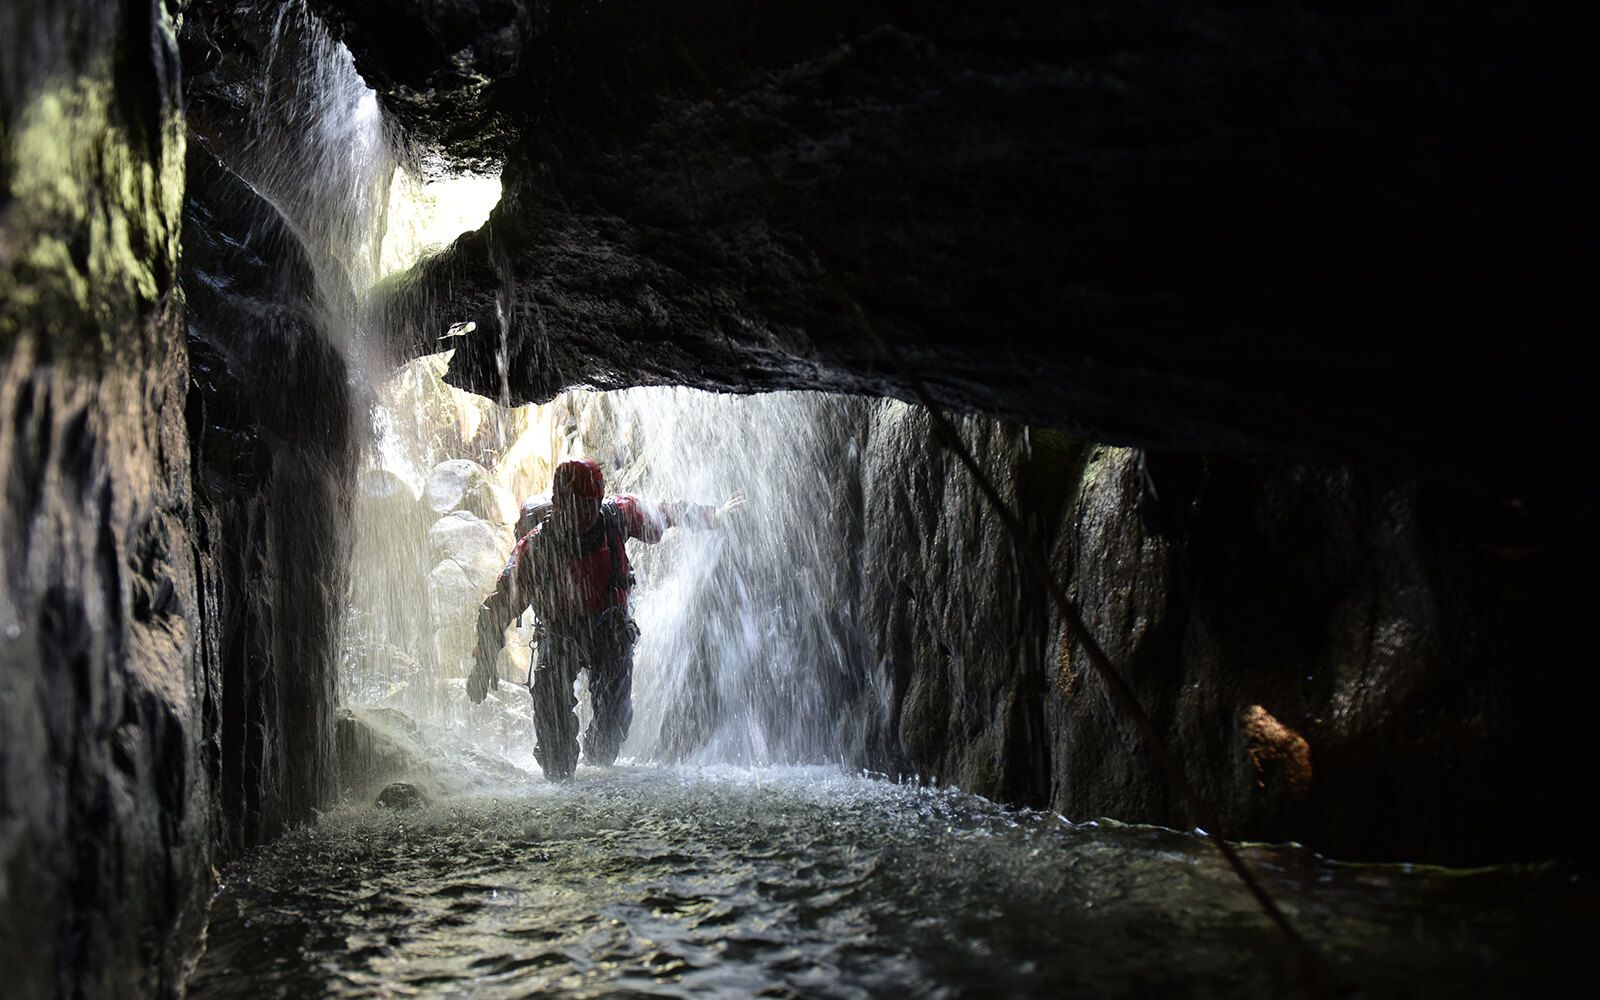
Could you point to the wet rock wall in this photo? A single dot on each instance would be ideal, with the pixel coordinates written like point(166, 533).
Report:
point(1202, 226)
point(173, 513)
point(272, 235)
point(106, 810)
point(269, 415)
point(1375, 665)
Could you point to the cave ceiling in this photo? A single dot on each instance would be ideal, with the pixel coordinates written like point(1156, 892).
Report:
point(1309, 230)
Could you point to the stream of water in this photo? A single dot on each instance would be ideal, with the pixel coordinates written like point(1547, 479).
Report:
point(809, 882)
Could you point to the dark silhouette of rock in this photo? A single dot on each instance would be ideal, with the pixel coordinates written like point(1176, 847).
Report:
point(1348, 658)
point(270, 420)
point(401, 795)
point(1203, 227)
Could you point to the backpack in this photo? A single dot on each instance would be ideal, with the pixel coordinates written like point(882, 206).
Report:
point(607, 529)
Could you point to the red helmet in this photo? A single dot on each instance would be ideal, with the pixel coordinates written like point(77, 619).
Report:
point(578, 477)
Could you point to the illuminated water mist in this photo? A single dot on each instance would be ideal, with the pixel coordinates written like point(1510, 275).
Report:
point(315, 146)
point(747, 647)
point(314, 143)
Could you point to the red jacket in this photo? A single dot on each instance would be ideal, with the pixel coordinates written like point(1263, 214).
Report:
point(564, 579)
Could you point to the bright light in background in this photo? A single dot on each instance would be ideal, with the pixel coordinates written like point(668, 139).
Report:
point(424, 420)
point(743, 652)
point(426, 216)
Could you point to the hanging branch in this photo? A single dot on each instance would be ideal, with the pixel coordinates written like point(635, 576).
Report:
point(1311, 961)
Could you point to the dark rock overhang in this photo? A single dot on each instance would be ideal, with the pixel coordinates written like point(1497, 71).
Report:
point(1313, 231)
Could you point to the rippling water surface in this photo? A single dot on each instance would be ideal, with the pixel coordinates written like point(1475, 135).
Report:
point(808, 882)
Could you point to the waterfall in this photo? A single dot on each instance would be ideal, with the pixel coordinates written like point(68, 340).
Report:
point(749, 652)
point(312, 140)
point(302, 129)
point(314, 144)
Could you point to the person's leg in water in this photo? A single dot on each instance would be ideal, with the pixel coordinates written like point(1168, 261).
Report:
point(554, 721)
point(610, 691)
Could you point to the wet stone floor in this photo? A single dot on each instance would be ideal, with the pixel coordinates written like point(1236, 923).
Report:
point(806, 882)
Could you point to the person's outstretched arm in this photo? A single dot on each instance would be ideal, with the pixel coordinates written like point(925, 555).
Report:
point(648, 520)
point(729, 505)
point(498, 610)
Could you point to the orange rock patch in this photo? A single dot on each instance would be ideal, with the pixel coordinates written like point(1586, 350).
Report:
point(1279, 756)
point(1068, 674)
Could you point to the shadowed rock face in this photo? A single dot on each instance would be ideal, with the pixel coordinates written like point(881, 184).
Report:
point(174, 507)
point(1311, 232)
point(105, 807)
point(454, 58)
point(1364, 663)
point(269, 413)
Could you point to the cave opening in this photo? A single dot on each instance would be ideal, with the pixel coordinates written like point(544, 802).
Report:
point(746, 653)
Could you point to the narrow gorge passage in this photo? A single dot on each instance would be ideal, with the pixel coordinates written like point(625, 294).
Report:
point(1127, 463)
point(739, 848)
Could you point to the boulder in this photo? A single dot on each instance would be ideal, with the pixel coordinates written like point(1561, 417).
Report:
point(452, 596)
point(401, 795)
point(478, 547)
point(383, 483)
point(462, 484)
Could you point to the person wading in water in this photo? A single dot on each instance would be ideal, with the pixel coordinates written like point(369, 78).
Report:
point(572, 568)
